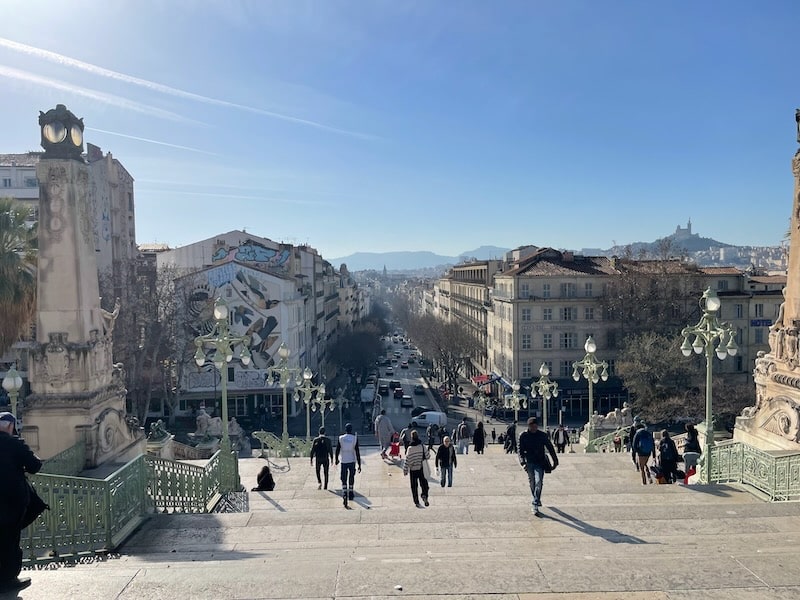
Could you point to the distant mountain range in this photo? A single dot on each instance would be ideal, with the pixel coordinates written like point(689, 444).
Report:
point(402, 261)
point(683, 242)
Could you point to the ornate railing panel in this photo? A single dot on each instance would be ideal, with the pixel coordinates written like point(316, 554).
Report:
point(599, 444)
point(777, 475)
point(69, 462)
point(89, 516)
point(181, 487)
point(272, 443)
point(86, 516)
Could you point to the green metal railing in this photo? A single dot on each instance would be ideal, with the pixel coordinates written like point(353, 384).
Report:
point(774, 474)
point(92, 516)
point(599, 444)
point(280, 449)
point(69, 462)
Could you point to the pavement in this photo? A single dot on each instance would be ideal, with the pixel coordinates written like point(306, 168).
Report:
point(602, 536)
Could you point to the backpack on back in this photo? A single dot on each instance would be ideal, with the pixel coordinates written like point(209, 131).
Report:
point(463, 431)
point(666, 451)
point(645, 444)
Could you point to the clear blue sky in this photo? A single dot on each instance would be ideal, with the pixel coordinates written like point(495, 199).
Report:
point(433, 125)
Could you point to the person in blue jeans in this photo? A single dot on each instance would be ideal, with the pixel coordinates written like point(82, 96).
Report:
point(532, 446)
point(446, 461)
point(351, 456)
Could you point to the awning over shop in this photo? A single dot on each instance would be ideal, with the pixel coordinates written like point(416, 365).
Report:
point(481, 379)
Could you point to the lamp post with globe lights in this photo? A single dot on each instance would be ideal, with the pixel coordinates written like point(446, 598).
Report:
point(223, 341)
point(593, 370)
point(710, 335)
point(515, 400)
point(546, 388)
point(286, 375)
point(313, 396)
point(12, 383)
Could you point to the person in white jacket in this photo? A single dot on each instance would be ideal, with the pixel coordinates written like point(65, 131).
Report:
point(384, 430)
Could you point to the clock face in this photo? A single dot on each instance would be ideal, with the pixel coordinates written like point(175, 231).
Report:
point(55, 132)
point(76, 135)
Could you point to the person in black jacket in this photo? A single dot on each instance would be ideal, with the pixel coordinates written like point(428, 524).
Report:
point(532, 445)
point(16, 459)
point(322, 450)
point(264, 480)
point(668, 457)
point(511, 438)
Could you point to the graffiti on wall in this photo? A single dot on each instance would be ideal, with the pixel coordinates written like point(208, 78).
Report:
point(253, 309)
point(256, 253)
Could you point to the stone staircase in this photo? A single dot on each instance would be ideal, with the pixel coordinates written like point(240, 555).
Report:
point(602, 535)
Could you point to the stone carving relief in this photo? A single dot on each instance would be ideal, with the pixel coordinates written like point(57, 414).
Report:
point(110, 318)
point(781, 416)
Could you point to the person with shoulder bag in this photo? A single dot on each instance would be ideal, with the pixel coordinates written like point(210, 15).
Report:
point(16, 459)
point(532, 457)
point(416, 455)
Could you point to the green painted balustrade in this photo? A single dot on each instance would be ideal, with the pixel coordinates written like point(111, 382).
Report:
point(93, 516)
point(69, 462)
point(271, 443)
point(605, 443)
point(775, 474)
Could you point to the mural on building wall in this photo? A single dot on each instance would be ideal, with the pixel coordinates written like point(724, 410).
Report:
point(253, 311)
point(255, 253)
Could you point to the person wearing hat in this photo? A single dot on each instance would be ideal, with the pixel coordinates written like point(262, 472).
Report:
point(16, 459)
point(532, 446)
point(351, 456)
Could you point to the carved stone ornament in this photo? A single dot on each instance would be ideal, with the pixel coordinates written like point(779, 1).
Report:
point(781, 416)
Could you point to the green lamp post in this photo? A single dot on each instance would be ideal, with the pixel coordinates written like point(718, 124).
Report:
point(515, 400)
point(223, 342)
point(286, 376)
point(592, 370)
point(546, 388)
point(313, 396)
point(710, 336)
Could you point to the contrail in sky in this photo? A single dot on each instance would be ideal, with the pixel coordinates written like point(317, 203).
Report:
point(165, 89)
point(93, 94)
point(149, 141)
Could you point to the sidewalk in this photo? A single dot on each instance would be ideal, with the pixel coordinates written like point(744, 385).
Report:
point(602, 536)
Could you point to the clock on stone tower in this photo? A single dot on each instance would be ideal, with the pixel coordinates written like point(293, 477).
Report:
point(62, 134)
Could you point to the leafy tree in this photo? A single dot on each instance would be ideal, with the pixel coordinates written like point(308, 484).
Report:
point(18, 245)
point(357, 351)
point(447, 345)
point(665, 385)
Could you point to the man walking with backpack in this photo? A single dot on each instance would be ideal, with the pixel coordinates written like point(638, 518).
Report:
point(643, 448)
point(464, 436)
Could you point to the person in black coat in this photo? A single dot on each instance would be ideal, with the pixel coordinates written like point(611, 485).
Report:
point(479, 438)
point(668, 457)
point(511, 438)
point(265, 481)
point(532, 457)
point(16, 459)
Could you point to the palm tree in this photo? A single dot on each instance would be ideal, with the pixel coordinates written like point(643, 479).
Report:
point(17, 272)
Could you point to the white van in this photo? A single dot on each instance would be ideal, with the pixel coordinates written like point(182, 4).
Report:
point(428, 418)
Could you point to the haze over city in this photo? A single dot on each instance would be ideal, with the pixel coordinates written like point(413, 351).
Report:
point(441, 126)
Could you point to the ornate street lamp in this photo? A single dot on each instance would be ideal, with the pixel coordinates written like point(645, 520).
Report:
point(515, 400)
point(12, 383)
point(342, 402)
point(709, 335)
point(286, 375)
point(313, 396)
point(223, 341)
point(589, 367)
point(545, 388)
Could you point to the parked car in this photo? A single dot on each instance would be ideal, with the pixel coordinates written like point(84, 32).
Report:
point(428, 418)
point(383, 389)
point(406, 401)
point(398, 392)
point(419, 390)
point(418, 410)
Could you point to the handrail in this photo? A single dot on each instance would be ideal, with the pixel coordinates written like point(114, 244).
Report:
point(605, 440)
point(90, 516)
point(771, 473)
point(68, 462)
